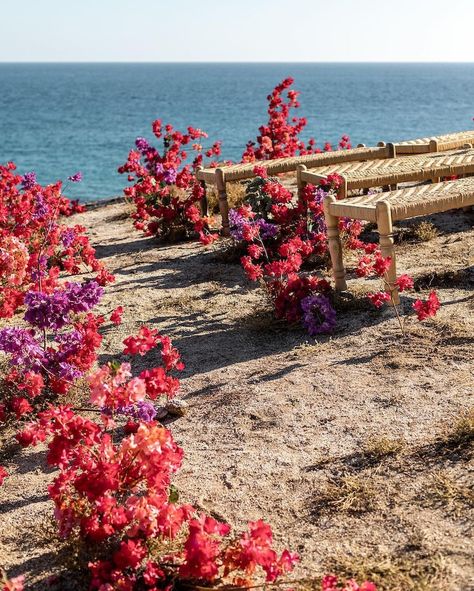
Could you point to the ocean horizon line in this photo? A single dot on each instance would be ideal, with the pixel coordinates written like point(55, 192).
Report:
point(236, 62)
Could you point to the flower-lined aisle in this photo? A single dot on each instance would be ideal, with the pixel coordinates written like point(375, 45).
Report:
point(113, 487)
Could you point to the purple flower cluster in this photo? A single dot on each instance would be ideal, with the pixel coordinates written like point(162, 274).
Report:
point(28, 181)
point(144, 411)
point(27, 353)
point(53, 310)
point(318, 314)
point(319, 224)
point(47, 310)
point(69, 342)
point(82, 297)
point(237, 223)
point(75, 178)
point(267, 230)
point(64, 370)
point(142, 144)
point(24, 349)
point(67, 237)
point(41, 207)
point(169, 176)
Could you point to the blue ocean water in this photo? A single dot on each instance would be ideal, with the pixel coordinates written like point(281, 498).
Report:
point(60, 118)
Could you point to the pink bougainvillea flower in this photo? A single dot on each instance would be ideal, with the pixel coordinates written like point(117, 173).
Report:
point(116, 316)
point(3, 474)
point(378, 298)
point(404, 282)
point(427, 308)
point(139, 344)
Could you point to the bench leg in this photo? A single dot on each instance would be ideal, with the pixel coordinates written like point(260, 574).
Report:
point(204, 202)
point(335, 245)
point(223, 203)
point(299, 183)
point(385, 228)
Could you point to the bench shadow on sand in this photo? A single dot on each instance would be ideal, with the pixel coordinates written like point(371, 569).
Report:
point(208, 337)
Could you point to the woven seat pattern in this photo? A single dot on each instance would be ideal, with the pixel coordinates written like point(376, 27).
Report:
point(408, 203)
point(376, 173)
point(235, 172)
point(448, 141)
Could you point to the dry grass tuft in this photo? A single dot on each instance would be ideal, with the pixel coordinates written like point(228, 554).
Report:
point(450, 492)
point(182, 303)
point(461, 434)
point(424, 231)
point(377, 448)
point(347, 494)
point(412, 568)
point(235, 196)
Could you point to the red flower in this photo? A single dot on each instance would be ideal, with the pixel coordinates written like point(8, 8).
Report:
point(260, 171)
point(253, 272)
point(404, 282)
point(379, 298)
point(116, 316)
point(131, 553)
point(3, 474)
point(144, 341)
point(364, 266)
point(427, 308)
point(381, 264)
point(20, 406)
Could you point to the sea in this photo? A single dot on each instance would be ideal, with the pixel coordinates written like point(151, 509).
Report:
point(58, 118)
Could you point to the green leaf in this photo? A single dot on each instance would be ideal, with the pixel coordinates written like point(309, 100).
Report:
point(174, 494)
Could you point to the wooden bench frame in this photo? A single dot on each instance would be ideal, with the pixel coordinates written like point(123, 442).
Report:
point(220, 176)
point(414, 172)
point(440, 143)
point(384, 209)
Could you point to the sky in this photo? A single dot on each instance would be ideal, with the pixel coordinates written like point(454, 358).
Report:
point(244, 30)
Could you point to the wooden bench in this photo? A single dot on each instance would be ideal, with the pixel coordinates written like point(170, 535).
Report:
point(219, 177)
point(388, 173)
point(439, 143)
point(386, 208)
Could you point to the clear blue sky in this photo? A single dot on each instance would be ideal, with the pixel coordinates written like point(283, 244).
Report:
point(247, 30)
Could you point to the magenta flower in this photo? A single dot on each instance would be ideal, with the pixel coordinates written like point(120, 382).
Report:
point(142, 144)
point(75, 178)
point(28, 181)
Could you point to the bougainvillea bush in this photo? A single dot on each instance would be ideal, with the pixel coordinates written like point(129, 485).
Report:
point(282, 233)
point(58, 339)
point(113, 489)
point(280, 136)
point(36, 247)
point(165, 192)
point(116, 494)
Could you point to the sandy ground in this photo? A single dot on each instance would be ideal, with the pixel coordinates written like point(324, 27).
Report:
point(345, 444)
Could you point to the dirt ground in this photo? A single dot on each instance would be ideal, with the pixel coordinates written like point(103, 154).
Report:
point(356, 447)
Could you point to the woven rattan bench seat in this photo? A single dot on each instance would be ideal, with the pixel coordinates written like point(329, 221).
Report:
point(449, 141)
point(236, 172)
point(384, 209)
point(378, 173)
point(409, 203)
